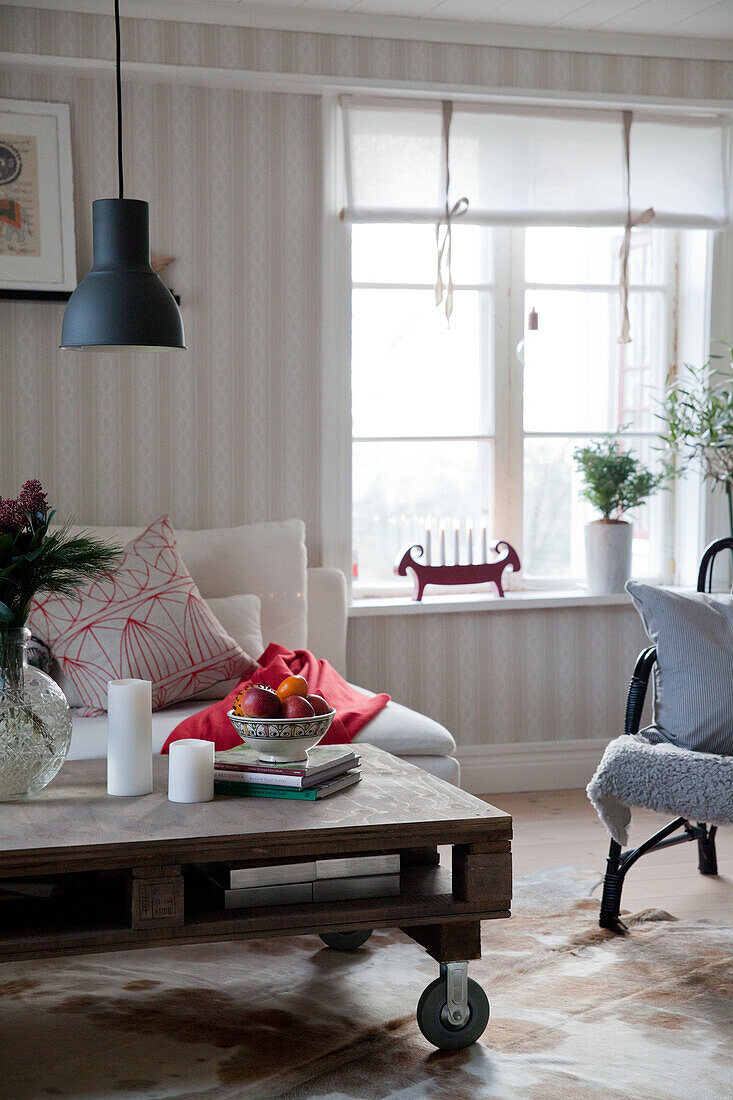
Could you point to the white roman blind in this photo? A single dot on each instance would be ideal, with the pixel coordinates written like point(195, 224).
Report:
point(520, 165)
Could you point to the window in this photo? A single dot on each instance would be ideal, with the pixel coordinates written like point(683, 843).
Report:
point(475, 423)
point(579, 382)
point(422, 393)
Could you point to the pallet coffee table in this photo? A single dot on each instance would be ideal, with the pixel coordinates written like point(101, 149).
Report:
point(124, 877)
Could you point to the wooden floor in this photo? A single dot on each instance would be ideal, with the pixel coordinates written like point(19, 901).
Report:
point(561, 828)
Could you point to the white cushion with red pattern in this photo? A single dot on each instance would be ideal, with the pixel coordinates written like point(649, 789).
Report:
point(267, 559)
point(147, 620)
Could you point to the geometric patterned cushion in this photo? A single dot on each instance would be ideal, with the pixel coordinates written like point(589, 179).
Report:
point(146, 620)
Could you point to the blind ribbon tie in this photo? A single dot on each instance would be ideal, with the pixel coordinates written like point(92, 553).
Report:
point(631, 221)
point(444, 247)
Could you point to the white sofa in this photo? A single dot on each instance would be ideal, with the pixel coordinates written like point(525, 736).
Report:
point(300, 608)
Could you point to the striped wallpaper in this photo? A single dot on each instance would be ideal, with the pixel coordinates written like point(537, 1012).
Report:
point(73, 34)
point(227, 431)
point(505, 677)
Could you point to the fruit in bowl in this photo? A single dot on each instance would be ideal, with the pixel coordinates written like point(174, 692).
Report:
point(283, 724)
point(297, 706)
point(292, 686)
point(258, 701)
point(319, 704)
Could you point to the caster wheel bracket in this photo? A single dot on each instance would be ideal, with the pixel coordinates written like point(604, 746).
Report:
point(453, 1010)
point(456, 992)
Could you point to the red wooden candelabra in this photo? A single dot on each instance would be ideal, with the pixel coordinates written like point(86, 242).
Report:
point(480, 573)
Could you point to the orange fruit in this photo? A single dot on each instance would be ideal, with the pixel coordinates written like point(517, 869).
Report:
point(292, 685)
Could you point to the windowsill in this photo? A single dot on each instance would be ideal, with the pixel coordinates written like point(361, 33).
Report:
point(534, 600)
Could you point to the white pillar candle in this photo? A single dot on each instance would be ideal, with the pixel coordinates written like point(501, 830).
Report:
point(469, 541)
point(484, 548)
point(129, 737)
point(456, 543)
point(191, 771)
point(441, 530)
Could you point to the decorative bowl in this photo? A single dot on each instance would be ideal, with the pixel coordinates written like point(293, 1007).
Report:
point(282, 740)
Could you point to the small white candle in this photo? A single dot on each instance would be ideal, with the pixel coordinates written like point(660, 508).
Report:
point(484, 549)
point(441, 529)
point(428, 540)
point(469, 541)
point(129, 737)
point(456, 543)
point(191, 771)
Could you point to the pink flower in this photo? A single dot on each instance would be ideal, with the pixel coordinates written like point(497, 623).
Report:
point(14, 513)
point(32, 497)
point(12, 517)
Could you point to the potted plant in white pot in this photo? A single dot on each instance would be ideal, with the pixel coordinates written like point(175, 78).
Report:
point(615, 482)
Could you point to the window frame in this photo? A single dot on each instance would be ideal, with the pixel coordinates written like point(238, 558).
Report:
point(489, 289)
point(509, 435)
point(665, 502)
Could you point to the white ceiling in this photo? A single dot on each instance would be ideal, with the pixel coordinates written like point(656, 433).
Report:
point(686, 18)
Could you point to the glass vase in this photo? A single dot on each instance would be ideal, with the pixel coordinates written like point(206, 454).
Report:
point(35, 720)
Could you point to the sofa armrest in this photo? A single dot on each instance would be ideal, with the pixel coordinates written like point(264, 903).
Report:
point(327, 616)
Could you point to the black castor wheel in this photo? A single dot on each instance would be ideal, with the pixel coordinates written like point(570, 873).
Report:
point(346, 941)
point(434, 1021)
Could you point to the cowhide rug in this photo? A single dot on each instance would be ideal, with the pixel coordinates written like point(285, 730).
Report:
point(576, 1013)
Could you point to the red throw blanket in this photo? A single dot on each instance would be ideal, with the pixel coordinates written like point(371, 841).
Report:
point(353, 710)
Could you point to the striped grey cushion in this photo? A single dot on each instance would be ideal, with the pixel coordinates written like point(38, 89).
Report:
point(693, 677)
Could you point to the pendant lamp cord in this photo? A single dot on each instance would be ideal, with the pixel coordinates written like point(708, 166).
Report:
point(118, 68)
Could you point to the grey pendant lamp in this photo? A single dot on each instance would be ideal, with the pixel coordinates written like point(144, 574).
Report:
point(121, 302)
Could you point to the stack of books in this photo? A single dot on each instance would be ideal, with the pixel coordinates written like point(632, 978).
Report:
point(329, 768)
point(337, 879)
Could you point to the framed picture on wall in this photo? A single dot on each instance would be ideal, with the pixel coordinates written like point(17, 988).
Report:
point(37, 243)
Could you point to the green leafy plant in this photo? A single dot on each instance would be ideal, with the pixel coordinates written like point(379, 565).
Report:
point(34, 559)
point(698, 420)
point(615, 481)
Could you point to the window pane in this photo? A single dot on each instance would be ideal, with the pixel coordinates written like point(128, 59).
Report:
point(649, 521)
point(565, 255)
point(551, 506)
point(407, 254)
point(555, 514)
point(577, 377)
point(398, 486)
point(642, 364)
point(414, 375)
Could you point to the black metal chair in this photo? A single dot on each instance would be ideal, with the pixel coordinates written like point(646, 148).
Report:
point(620, 862)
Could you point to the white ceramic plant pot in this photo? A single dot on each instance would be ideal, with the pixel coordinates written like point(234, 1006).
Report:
point(607, 556)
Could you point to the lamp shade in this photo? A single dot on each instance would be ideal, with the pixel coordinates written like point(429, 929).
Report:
point(121, 302)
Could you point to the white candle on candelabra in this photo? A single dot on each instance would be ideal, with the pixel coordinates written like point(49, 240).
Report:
point(129, 737)
point(469, 541)
point(484, 548)
point(428, 540)
point(441, 530)
point(191, 771)
point(456, 543)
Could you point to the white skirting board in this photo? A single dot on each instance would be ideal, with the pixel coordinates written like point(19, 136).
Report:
point(537, 766)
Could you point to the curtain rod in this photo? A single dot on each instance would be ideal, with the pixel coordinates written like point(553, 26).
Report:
point(610, 219)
